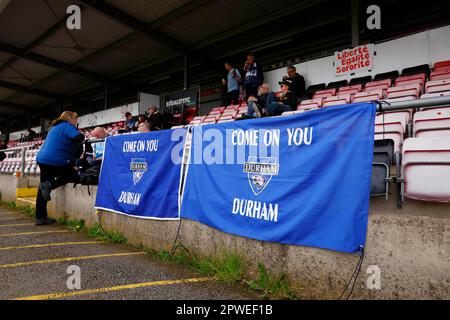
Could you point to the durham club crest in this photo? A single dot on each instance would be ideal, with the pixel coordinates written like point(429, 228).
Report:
point(138, 167)
point(260, 171)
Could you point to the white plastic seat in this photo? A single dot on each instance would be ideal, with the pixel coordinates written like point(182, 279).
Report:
point(432, 123)
point(426, 169)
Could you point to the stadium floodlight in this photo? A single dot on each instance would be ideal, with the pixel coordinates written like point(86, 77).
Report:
point(3, 4)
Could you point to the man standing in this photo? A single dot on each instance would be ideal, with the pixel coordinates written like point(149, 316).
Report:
point(254, 76)
point(154, 118)
point(297, 82)
point(232, 82)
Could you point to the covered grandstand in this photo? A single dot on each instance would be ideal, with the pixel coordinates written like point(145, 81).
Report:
point(125, 49)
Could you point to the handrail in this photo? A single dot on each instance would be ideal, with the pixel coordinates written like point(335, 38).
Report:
point(413, 104)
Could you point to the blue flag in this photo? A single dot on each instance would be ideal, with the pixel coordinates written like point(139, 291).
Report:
point(141, 175)
point(299, 180)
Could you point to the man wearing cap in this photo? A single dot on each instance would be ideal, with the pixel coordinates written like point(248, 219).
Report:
point(286, 101)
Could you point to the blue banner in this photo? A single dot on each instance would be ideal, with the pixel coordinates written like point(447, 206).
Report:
point(299, 180)
point(140, 174)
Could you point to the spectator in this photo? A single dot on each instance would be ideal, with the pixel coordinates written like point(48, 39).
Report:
point(93, 153)
point(254, 76)
point(130, 122)
point(154, 118)
point(144, 127)
point(141, 119)
point(297, 82)
point(232, 82)
point(56, 160)
point(285, 102)
point(2, 156)
point(256, 104)
point(31, 135)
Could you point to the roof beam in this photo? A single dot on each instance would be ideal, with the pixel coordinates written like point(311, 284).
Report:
point(15, 106)
point(24, 89)
point(43, 37)
point(27, 54)
point(137, 25)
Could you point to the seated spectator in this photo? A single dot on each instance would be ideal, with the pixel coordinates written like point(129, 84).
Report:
point(93, 151)
point(154, 118)
point(144, 127)
point(286, 101)
point(297, 82)
point(141, 119)
point(130, 123)
point(264, 98)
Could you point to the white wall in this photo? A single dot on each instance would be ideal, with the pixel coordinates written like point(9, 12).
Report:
point(108, 116)
point(422, 48)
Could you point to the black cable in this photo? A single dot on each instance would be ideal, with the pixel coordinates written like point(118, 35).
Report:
point(354, 275)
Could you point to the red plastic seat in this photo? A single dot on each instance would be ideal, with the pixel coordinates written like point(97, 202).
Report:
point(437, 86)
point(310, 104)
point(350, 89)
point(411, 90)
point(413, 79)
point(376, 85)
point(441, 65)
point(324, 93)
point(440, 74)
point(336, 100)
point(373, 95)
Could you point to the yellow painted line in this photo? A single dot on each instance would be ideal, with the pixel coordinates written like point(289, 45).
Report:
point(116, 288)
point(30, 263)
point(45, 245)
point(16, 225)
point(32, 233)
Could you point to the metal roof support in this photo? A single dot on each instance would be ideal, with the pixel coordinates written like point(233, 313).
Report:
point(186, 72)
point(355, 22)
point(135, 24)
point(18, 87)
point(43, 37)
point(107, 91)
point(26, 54)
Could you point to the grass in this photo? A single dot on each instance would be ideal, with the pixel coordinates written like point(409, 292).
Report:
point(272, 286)
point(227, 266)
point(98, 233)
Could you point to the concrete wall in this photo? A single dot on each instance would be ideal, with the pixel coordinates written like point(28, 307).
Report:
point(8, 185)
point(410, 246)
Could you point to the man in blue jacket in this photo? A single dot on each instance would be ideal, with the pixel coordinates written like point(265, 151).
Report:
point(254, 76)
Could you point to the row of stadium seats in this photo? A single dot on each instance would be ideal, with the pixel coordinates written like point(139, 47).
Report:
point(13, 162)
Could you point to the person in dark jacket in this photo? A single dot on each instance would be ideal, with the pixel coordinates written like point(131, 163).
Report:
point(2, 156)
point(254, 76)
point(56, 160)
point(285, 102)
point(154, 118)
point(297, 82)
